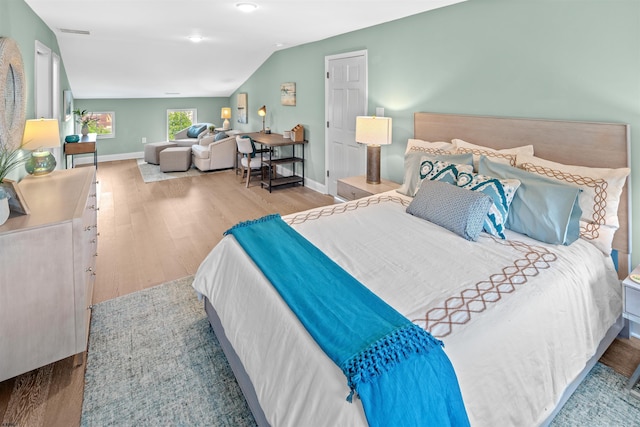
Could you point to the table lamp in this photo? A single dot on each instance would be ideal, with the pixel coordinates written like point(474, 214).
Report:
point(40, 134)
point(225, 114)
point(374, 132)
point(262, 112)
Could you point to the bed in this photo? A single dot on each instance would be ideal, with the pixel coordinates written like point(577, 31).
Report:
point(522, 321)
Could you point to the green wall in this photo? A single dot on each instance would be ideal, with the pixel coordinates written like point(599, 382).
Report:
point(554, 59)
point(146, 118)
point(20, 23)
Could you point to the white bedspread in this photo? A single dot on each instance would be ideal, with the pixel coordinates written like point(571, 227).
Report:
point(542, 312)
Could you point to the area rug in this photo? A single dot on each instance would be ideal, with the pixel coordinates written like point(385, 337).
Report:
point(154, 360)
point(151, 173)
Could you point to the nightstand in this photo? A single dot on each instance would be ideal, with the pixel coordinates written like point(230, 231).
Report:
point(631, 311)
point(356, 187)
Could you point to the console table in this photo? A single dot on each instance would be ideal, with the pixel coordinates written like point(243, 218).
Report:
point(271, 141)
point(86, 145)
point(47, 271)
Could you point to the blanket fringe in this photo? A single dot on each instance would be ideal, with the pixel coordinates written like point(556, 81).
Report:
point(385, 353)
point(252, 221)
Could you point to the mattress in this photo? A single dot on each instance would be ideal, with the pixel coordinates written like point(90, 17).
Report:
point(519, 318)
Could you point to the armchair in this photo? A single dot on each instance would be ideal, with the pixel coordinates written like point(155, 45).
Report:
point(210, 154)
point(191, 135)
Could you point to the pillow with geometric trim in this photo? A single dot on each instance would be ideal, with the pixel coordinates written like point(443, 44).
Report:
point(413, 156)
point(500, 190)
point(599, 199)
point(505, 155)
point(440, 170)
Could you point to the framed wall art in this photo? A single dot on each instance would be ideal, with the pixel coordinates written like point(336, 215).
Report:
point(242, 108)
point(288, 93)
point(67, 105)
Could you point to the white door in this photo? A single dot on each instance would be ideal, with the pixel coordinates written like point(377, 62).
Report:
point(345, 98)
point(43, 80)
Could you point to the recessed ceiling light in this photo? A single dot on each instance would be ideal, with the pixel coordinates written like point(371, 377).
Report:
point(247, 7)
point(195, 39)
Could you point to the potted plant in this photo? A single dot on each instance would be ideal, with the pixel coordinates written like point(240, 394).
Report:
point(4, 205)
point(84, 119)
point(212, 129)
point(10, 159)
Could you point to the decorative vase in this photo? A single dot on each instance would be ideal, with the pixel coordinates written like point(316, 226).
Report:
point(84, 130)
point(4, 210)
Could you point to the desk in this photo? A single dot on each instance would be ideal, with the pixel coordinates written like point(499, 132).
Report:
point(86, 145)
point(271, 141)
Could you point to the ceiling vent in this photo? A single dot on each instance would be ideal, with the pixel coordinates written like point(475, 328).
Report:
point(70, 31)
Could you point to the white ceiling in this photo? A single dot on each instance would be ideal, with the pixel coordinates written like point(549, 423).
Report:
point(140, 48)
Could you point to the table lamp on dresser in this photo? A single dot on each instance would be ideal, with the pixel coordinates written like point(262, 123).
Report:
point(39, 135)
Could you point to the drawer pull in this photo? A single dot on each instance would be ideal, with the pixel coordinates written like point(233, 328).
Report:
point(89, 269)
point(96, 254)
point(92, 241)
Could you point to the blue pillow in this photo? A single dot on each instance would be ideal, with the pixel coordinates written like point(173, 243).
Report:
point(456, 209)
point(195, 130)
point(543, 209)
point(501, 191)
point(219, 136)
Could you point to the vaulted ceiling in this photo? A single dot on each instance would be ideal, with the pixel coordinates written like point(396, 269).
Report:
point(141, 48)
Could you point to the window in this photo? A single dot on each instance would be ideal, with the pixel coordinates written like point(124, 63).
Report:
point(104, 124)
point(180, 119)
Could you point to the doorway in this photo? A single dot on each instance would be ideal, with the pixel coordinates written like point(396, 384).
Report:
point(345, 98)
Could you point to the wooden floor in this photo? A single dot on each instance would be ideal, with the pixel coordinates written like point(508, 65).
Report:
point(154, 233)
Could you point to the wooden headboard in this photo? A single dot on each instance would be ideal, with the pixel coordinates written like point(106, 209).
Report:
point(604, 145)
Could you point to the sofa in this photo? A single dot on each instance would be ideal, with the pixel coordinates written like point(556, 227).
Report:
point(191, 135)
point(211, 154)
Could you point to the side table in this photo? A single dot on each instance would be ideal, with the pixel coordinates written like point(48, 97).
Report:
point(631, 311)
point(356, 187)
point(86, 145)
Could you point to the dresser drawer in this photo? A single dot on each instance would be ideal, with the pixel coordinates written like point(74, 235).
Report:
point(632, 301)
point(350, 192)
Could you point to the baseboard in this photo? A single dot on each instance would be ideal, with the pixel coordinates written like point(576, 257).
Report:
point(88, 160)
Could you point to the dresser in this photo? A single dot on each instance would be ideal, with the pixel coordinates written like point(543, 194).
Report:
point(47, 271)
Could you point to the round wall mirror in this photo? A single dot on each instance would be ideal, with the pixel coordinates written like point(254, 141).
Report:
point(12, 91)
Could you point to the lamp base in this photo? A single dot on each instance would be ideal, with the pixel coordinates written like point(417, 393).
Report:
point(373, 164)
point(225, 125)
point(40, 163)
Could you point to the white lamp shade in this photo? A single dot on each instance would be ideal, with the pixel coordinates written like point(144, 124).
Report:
point(373, 130)
point(41, 133)
point(225, 113)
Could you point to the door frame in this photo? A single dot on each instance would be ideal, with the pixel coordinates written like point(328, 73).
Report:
point(327, 59)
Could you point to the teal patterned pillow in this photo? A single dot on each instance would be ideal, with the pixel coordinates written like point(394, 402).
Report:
point(440, 170)
point(500, 190)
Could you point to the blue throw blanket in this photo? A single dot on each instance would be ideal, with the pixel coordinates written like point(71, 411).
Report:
point(398, 370)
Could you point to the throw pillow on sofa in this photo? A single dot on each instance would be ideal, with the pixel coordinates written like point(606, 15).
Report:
point(195, 130)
